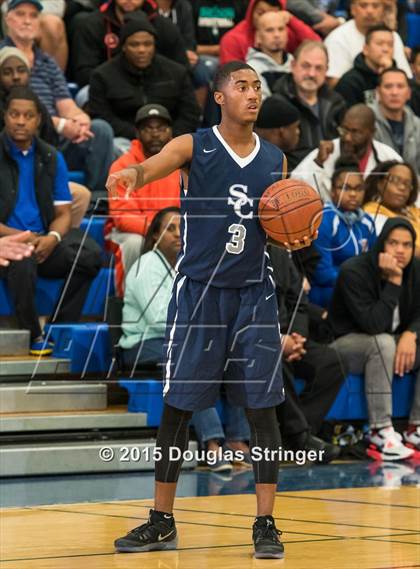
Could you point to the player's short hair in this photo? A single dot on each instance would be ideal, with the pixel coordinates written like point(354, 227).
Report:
point(373, 29)
point(392, 70)
point(25, 93)
point(309, 45)
point(344, 164)
point(224, 72)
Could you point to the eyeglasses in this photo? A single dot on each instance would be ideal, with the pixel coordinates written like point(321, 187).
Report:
point(397, 181)
point(151, 129)
point(342, 131)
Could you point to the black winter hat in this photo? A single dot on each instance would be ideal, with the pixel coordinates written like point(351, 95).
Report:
point(276, 112)
point(136, 23)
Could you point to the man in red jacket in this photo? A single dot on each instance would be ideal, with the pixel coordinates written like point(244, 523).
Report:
point(130, 217)
point(236, 42)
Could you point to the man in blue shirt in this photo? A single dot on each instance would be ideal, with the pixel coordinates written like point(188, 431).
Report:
point(35, 197)
point(87, 145)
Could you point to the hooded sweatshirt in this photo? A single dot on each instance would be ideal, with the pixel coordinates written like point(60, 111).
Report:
point(235, 43)
point(268, 69)
point(359, 83)
point(96, 39)
point(341, 235)
point(364, 302)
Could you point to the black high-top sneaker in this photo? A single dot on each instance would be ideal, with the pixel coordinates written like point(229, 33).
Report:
point(158, 533)
point(266, 539)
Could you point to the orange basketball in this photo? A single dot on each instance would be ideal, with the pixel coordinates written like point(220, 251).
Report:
point(289, 210)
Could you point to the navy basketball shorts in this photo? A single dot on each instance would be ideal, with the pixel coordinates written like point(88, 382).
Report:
point(221, 335)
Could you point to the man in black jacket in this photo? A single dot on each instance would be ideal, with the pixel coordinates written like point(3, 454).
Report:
point(96, 36)
point(35, 199)
point(138, 76)
point(320, 108)
point(358, 84)
point(375, 315)
point(301, 416)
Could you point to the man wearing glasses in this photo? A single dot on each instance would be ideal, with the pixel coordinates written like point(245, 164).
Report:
point(355, 142)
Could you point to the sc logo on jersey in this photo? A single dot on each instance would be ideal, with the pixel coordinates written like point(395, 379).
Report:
point(239, 199)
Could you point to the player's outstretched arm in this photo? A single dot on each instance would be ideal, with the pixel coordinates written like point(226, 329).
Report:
point(173, 155)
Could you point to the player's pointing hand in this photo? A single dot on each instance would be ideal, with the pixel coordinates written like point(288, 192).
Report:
point(126, 178)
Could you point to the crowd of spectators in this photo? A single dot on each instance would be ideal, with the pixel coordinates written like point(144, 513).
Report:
point(93, 87)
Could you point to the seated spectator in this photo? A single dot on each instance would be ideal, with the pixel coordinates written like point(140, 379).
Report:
point(213, 18)
point(216, 438)
point(86, 145)
point(320, 108)
point(346, 42)
point(392, 191)
point(148, 291)
point(396, 124)
point(345, 231)
point(359, 83)
point(301, 416)
point(356, 141)
point(415, 82)
point(52, 33)
point(278, 122)
point(236, 42)
point(35, 197)
point(137, 76)
point(130, 217)
point(96, 36)
point(268, 58)
point(375, 315)
point(14, 71)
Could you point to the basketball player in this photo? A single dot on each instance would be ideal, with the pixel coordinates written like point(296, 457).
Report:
point(222, 319)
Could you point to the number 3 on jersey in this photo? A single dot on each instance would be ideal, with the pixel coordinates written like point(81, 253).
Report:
point(237, 242)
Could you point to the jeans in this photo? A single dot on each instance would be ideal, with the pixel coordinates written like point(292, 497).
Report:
point(374, 356)
point(208, 426)
point(148, 351)
point(94, 156)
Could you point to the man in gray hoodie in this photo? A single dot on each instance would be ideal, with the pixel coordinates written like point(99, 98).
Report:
point(396, 124)
point(268, 57)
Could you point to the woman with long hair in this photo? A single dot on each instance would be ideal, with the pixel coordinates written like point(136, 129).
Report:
point(148, 290)
point(391, 191)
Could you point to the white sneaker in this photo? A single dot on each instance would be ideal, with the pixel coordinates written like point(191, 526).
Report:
point(386, 444)
point(412, 440)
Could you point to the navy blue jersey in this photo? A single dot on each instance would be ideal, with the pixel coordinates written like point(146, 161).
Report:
point(223, 243)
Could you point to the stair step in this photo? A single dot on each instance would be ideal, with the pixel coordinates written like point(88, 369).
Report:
point(72, 421)
point(52, 396)
point(33, 366)
point(14, 342)
point(71, 458)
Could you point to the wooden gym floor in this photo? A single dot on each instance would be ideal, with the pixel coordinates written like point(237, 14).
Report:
point(351, 528)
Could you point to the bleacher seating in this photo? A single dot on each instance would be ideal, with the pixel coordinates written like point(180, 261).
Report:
point(413, 30)
point(48, 291)
point(350, 403)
